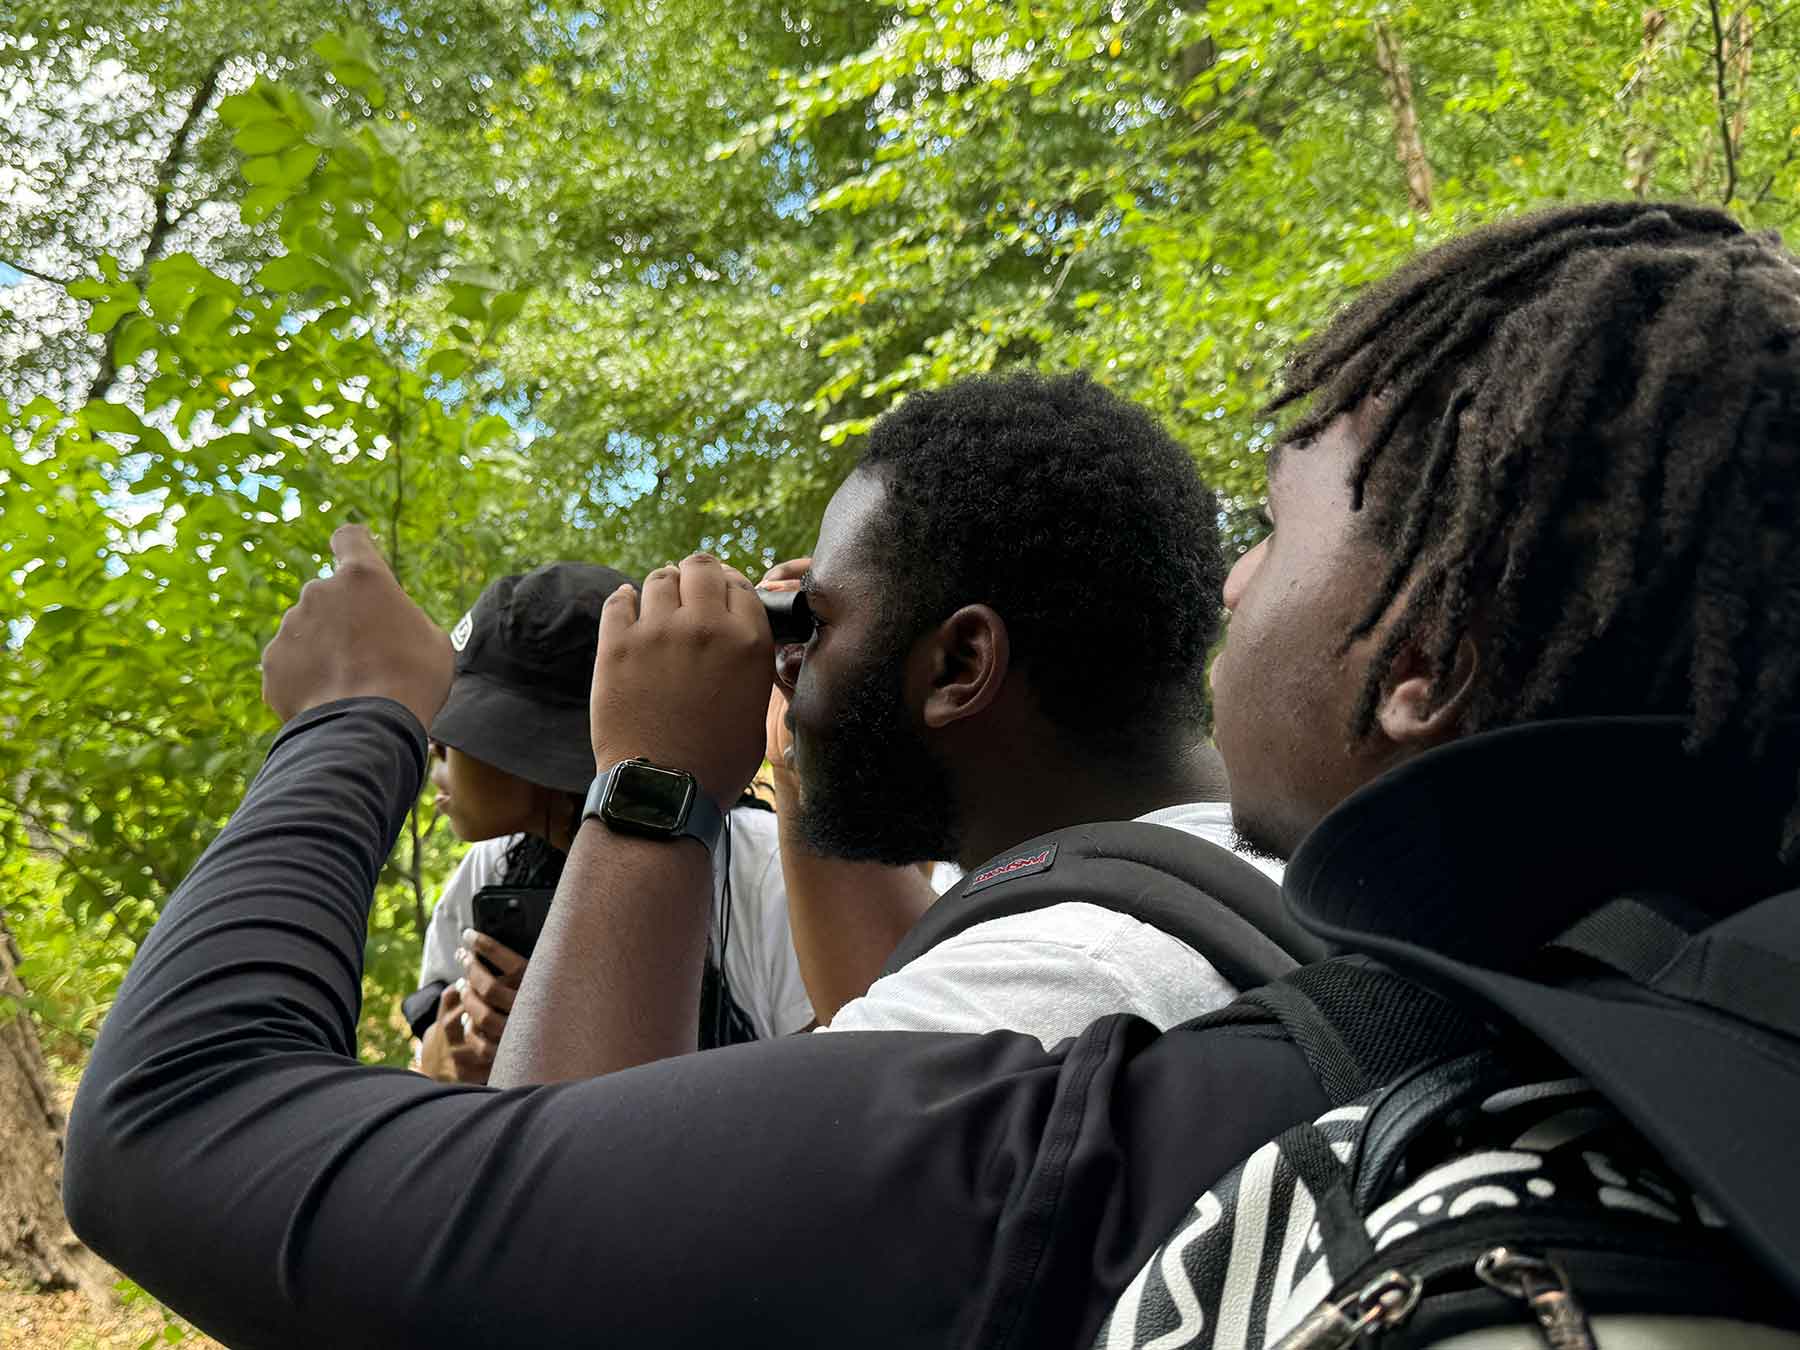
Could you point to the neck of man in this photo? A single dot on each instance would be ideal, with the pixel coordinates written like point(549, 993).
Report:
point(1021, 796)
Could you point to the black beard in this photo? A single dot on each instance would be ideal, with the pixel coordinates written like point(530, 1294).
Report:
point(1255, 847)
point(873, 791)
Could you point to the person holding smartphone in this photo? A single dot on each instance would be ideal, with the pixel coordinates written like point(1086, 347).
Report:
point(510, 760)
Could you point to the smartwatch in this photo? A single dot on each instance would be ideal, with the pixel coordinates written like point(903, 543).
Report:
point(637, 797)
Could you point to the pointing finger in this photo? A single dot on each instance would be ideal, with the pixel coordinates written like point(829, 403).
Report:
point(354, 544)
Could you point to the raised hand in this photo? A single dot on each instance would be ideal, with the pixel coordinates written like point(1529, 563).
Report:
point(682, 675)
point(356, 634)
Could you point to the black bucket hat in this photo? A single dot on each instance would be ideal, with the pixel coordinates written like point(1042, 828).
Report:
point(524, 665)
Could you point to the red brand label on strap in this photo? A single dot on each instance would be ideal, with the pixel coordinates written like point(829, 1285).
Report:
point(1024, 865)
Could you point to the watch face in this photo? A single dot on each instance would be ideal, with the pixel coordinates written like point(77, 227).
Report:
point(649, 798)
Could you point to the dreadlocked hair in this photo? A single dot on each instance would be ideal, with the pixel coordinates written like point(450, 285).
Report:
point(1582, 451)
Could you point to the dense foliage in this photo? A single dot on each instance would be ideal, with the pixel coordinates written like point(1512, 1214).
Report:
point(512, 281)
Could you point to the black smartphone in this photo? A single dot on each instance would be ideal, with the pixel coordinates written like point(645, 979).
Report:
point(513, 915)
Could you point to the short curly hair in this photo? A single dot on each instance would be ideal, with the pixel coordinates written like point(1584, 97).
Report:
point(1082, 522)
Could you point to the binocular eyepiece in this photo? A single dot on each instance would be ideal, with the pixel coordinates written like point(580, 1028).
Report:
point(790, 617)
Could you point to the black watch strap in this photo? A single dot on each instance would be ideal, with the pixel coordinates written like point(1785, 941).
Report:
point(637, 797)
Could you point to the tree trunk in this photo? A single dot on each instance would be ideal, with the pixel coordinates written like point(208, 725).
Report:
point(34, 1236)
point(1738, 59)
point(1408, 145)
point(1641, 147)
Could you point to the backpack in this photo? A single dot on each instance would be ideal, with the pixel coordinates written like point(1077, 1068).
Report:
point(1190, 888)
point(1470, 1188)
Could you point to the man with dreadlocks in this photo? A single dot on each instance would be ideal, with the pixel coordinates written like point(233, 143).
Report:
point(1546, 471)
point(1513, 681)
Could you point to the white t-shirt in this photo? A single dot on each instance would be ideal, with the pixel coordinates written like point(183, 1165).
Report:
point(760, 965)
point(1052, 972)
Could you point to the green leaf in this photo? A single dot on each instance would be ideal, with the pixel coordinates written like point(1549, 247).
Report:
point(260, 201)
point(111, 417)
point(58, 622)
point(505, 307)
point(135, 337)
point(448, 364)
point(365, 81)
point(296, 165)
point(286, 170)
point(249, 107)
point(264, 169)
point(207, 316)
point(265, 138)
point(468, 302)
point(106, 313)
point(293, 273)
point(176, 281)
point(343, 49)
point(490, 431)
point(484, 278)
point(352, 63)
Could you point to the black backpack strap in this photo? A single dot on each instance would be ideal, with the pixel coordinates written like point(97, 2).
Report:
point(1361, 1026)
point(1309, 1028)
point(1696, 1047)
point(1754, 980)
point(1332, 1187)
point(1190, 888)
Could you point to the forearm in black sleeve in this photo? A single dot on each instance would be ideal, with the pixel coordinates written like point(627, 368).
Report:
point(886, 1189)
point(228, 1153)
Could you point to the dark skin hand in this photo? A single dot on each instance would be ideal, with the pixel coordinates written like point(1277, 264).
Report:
point(459, 1047)
point(681, 678)
point(355, 634)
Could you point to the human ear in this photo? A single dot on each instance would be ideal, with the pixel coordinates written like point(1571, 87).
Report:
point(969, 655)
point(1417, 711)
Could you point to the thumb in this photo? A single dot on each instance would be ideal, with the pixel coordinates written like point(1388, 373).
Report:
point(354, 544)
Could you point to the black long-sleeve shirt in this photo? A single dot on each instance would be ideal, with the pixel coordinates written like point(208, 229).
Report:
point(886, 1189)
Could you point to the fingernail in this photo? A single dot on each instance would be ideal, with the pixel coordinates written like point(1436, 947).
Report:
point(468, 937)
point(461, 986)
point(462, 956)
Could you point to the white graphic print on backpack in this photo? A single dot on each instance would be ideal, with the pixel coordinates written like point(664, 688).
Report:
point(1304, 1240)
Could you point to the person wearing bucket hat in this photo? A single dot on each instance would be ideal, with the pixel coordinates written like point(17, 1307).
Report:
point(511, 759)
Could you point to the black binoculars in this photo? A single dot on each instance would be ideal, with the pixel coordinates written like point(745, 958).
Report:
point(790, 618)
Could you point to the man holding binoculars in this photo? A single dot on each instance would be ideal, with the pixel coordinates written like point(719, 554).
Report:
point(983, 661)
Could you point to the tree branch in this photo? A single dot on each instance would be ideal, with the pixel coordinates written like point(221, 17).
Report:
point(163, 221)
point(37, 275)
point(1718, 54)
point(1641, 147)
point(1769, 182)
